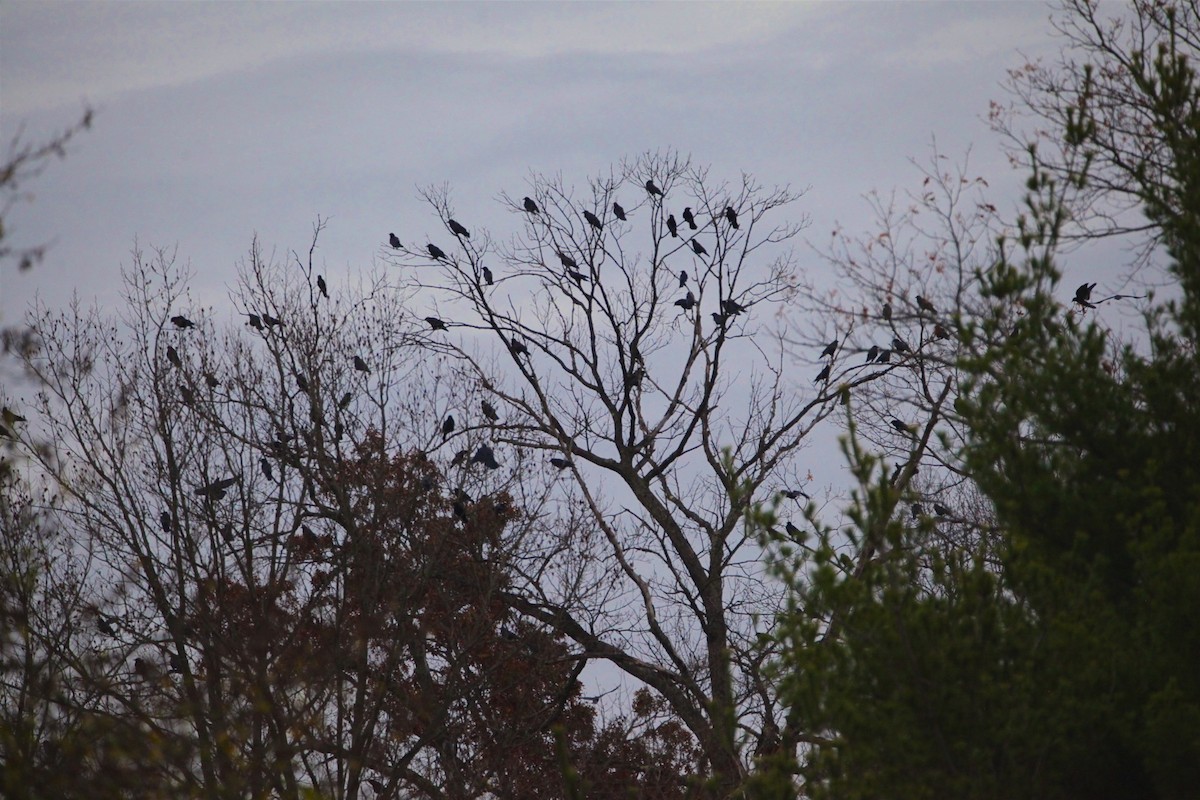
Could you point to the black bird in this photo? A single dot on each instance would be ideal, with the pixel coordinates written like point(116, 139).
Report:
point(227, 533)
point(688, 218)
point(1084, 294)
point(682, 278)
point(917, 511)
point(448, 426)
point(436, 252)
point(459, 457)
point(457, 228)
point(823, 375)
point(593, 220)
point(188, 397)
point(567, 261)
point(687, 303)
point(322, 287)
point(164, 519)
point(436, 324)
point(211, 380)
point(578, 277)
point(460, 511)
point(884, 357)
point(732, 307)
point(672, 226)
point(731, 215)
point(887, 311)
point(530, 206)
point(618, 212)
point(487, 276)
point(361, 365)
point(925, 305)
point(939, 332)
point(795, 533)
point(485, 456)
point(873, 353)
point(255, 322)
point(830, 348)
point(216, 489)
point(394, 240)
point(105, 626)
point(794, 494)
point(489, 411)
point(177, 664)
point(173, 356)
point(940, 509)
point(270, 321)
point(345, 401)
point(634, 379)
point(302, 382)
point(652, 189)
point(900, 426)
point(719, 318)
point(182, 322)
point(518, 348)
point(265, 463)
point(559, 463)
point(698, 248)
point(900, 346)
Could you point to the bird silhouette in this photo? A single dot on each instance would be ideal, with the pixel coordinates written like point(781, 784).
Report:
point(940, 509)
point(794, 494)
point(634, 379)
point(484, 455)
point(144, 669)
point(345, 401)
point(489, 411)
point(917, 511)
point(618, 212)
point(457, 228)
point(448, 426)
point(830, 349)
point(1084, 294)
point(265, 463)
point(689, 218)
point(567, 261)
point(459, 457)
point(732, 216)
point(925, 305)
point(105, 626)
point(698, 248)
point(216, 489)
point(900, 426)
point(173, 356)
point(687, 303)
point(322, 287)
point(720, 319)
point(518, 348)
point(593, 220)
point(559, 463)
point(487, 276)
point(823, 375)
point(177, 664)
point(732, 307)
point(884, 357)
point(188, 397)
point(652, 189)
point(795, 533)
point(887, 311)
point(682, 278)
point(394, 241)
point(164, 521)
point(530, 206)
point(270, 321)
point(436, 252)
point(460, 510)
point(900, 346)
point(182, 322)
point(939, 332)
point(873, 353)
point(436, 324)
point(302, 382)
point(255, 322)
point(361, 365)
point(672, 226)
point(577, 276)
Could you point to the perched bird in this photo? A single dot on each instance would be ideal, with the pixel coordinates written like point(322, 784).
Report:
point(576, 276)
point(394, 240)
point(530, 206)
point(925, 305)
point(301, 382)
point(830, 349)
point(618, 212)
point(177, 664)
point(322, 287)
point(182, 322)
point(634, 379)
point(345, 401)
point(436, 324)
point(487, 276)
point(593, 220)
point(559, 463)
point(720, 319)
point(270, 321)
point(104, 626)
point(211, 380)
point(489, 411)
point(689, 218)
point(794, 532)
point(255, 322)
point(173, 356)
point(698, 248)
point(436, 252)
point(1084, 294)
point(567, 261)
point(873, 353)
point(732, 216)
point(672, 226)
point(460, 510)
point(188, 397)
point(459, 457)
point(939, 332)
point(823, 375)
point(732, 307)
point(652, 189)
point(485, 456)
point(164, 520)
point(900, 426)
point(682, 278)
point(265, 463)
point(940, 509)
point(900, 346)
point(457, 229)
point(518, 348)
point(794, 494)
point(361, 365)
point(917, 511)
point(887, 311)
point(227, 533)
point(687, 303)
point(448, 426)
point(884, 357)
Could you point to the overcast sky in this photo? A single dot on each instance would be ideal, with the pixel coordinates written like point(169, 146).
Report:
point(216, 121)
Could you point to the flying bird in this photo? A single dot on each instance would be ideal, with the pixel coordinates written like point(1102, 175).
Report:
point(823, 375)
point(489, 411)
point(830, 349)
point(436, 252)
point(182, 322)
point(687, 303)
point(173, 356)
point(567, 261)
point(559, 463)
point(448, 426)
point(682, 278)
point(698, 248)
point(873, 353)
point(394, 241)
point(485, 456)
point(436, 324)
point(688, 218)
point(794, 494)
point(322, 287)
point(216, 489)
point(925, 305)
point(361, 365)
point(530, 206)
point(1084, 294)
point(652, 189)
point(458, 229)
point(618, 212)
point(593, 220)
point(731, 215)
point(487, 276)
point(672, 226)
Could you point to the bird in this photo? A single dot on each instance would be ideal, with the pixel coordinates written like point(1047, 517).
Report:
point(145, 670)
point(270, 321)
point(105, 626)
point(939, 332)
point(361, 365)
point(448, 426)
point(732, 216)
point(394, 241)
point(345, 401)
point(672, 226)
point(887, 311)
point(794, 532)
point(794, 494)
point(618, 212)
point(652, 189)
point(689, 218)
point(173, 356)
point(634, 379)
point(719, 318)
point(732, 307)
point(322, 287)
point(301, 382)
point(436, 324)
point(925, 305)
point(487, 276)
point(682, 278)
point(518, 348)
point(216, 489)
point(917, 511)
point(265, 463)
point(211, 380)
point(436, 252)
point(593, 220)
point(567, 261)
point(1084, 294)
point(255, 322)
point(873, 353)
point(188, 397)
point(489, 411)
point(460, 510)
point(898, 425)
point(823, 375)
point(559, 463)
point(530, 206)
point(687, 303)
point(830, 349)
point(485, 456)
point(177, 664)
point(940, 509)
point(577, 276)
point(900, 346)
point(164, 520)
point(458, 229)
point(698, 248)
point(182, 322)
point(459, 457)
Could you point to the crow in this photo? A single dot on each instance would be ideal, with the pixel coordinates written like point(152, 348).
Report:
point(322, 287)
point(11, 417)
point(652, 189)
point(1084, 294)
point(436, 324)
point(593, 220)
point(460, 511)
point(698, 248)
point(917, 511)
point(531, 206)
point(830, 349)
point(265, 463)
point(173, 356)
point(939, 332)
point(182, 322)
point(823, 375)
point(459, 457)
point(487, 276)
point(485, 456)
point(688, 218)
point(618, 212)
point(361, 365)
point(448, 426)
point(105, 626)
point(559, 463)
point(672, 226)
point(255, 322)
point(731, 215)
point(457, 228)
point(634, 379)
point(873, 353)
point(884, 357)
point(795, 533)
point(687, 303)
point(576, 276)
point(720, 319)
point(732, 307)
point(345, 401)
point(887, 311)
point(489, 411)
point(940, 509)
point(270, 321)
point(900, 346)
point(436, 252)
point(567, 261)
point(394, 241)
point(302, 382)
point(188, 397)
point(925, 305)
point(177, 664)
point(900, 426)
point(211, 380)
point(518, 348)
point(164, 520)
point(682, 278)
point(794, 494)
point(216, 489)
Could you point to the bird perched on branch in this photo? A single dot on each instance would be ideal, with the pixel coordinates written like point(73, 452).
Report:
point(173, 356)
point(448, 426)
point(530, 206)
point(689, 218)
point(361, 365)
point(823, 375)
point(900, 426)
point(321, 287)
point(652, 189)
point(698, 248)
point(682, 278)
point(886, 313)
point(900, 346)
point(687, 303)
point(925, 305)
point(618, 212)
point(732, 307)
point(873, 353)
point(566, 260)
point(436, 324)
point(1084, 294)
point(593, 220)
point(436, 252)
point(270, 321)
point(485, 456)
point(182, 322)
point(394, 241)
point(458, 229)
point(559, 463)
point(489, 411)
point(830, 349)
point(732, 216)
point(672, 226)
point(518, 348)
point(487, 276)
point(255, 322)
